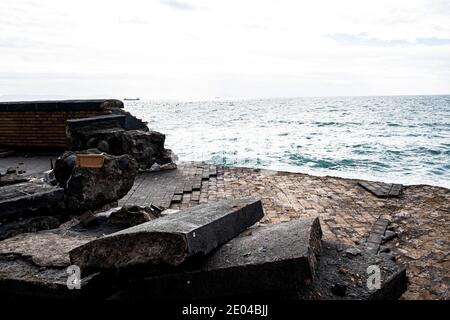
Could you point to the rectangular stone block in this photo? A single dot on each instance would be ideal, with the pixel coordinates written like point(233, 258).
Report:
point(274, 258)
point(381, 189)
point(170, 240)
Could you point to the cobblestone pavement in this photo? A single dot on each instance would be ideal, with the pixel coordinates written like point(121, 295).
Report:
point(419, 217)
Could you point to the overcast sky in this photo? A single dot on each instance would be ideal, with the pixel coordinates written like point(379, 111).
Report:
point(230, 48)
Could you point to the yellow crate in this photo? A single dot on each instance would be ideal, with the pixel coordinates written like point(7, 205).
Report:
point(90, 160)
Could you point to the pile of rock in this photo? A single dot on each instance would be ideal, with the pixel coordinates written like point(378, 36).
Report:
point(125, 144)
point(205, 252)
point(109, 134)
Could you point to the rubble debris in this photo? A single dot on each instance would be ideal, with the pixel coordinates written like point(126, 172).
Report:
point(381, 189)
point(34, 264)
point(170, 240)
point(50, 248)
point(328, 284)
point(274, 258)
point(29, 199)
point(88, 188)
point(107, 133)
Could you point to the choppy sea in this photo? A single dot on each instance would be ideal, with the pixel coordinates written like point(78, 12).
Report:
point(403, 139)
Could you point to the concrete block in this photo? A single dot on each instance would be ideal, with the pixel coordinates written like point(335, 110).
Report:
point(170, 240)
point(274, 258)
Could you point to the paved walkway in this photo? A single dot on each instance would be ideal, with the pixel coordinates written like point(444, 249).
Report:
point(419, 217)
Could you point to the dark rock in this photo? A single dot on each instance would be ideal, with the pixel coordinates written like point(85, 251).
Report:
point(389, 235)
point(339, 289)
point(11, 170)
point(131, 122)
point(91, 188)
point(272, 258)
point(170, 240)
point(352, 252)
point(86, 218)
point(133, 215)
point(385, 250)
point(64, 166)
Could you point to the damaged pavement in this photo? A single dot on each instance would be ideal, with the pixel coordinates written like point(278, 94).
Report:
point(143, 249)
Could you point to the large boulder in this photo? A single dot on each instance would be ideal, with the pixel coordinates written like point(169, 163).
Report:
point(92, 188)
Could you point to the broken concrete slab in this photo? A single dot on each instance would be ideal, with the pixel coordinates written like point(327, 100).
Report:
point(28, 198)
point(170, 240)
point(381, 189)
point(341, 277)
point(275, 258)
point(34, 264)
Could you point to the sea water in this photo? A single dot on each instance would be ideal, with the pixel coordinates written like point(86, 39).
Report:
point(403, 139)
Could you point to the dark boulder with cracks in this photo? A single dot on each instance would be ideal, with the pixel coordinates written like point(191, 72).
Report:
point(92, 188)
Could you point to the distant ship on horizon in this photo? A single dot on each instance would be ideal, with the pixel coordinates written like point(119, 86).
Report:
point(131, 99)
